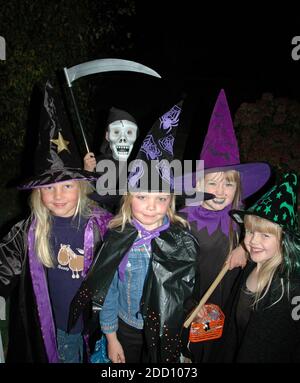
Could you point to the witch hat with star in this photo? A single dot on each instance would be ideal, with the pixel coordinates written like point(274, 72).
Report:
point(57, 158)
point(220, 152)
point(278, 205)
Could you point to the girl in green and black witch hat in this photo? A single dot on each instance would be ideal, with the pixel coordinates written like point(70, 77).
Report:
point(264, 325)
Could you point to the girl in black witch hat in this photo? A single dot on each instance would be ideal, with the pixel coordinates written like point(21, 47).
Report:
point(44, 258)
point(147, 270)
point(264, 324)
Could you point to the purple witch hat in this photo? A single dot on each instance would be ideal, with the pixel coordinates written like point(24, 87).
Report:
point(220, 148)
point(220, 152)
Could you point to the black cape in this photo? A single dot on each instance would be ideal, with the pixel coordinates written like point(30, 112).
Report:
point(171, 287)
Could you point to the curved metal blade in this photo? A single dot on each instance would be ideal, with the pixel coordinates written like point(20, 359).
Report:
point(106, 65)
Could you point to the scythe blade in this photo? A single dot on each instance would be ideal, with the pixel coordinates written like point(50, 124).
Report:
point(106, 65)
point(101, 66)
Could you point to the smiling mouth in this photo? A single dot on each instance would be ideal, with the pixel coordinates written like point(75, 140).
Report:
point(254, 251)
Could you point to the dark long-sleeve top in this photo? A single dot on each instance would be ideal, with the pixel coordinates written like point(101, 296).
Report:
point(26, 287)
point(271, 334)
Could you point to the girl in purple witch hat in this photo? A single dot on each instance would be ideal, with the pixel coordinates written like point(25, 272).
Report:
point(230, 182)
point(44, 258)
point(147, 271)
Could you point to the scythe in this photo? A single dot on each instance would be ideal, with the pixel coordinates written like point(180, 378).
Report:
point(100, 66)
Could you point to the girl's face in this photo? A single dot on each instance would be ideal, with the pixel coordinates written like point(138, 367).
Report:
point(150, 208)
point(261, 246)
point(61, 198)
point(224, 190)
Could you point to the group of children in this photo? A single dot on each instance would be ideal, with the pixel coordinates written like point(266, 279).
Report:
point(71, 266)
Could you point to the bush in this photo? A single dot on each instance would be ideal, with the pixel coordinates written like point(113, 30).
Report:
point(41, 38)
point(269, 130)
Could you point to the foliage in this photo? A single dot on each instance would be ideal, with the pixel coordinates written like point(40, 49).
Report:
point(269, 130)
point(43, 37)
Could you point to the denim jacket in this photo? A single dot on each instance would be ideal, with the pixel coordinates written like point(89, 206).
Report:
point(123, 298)
point(170, 291)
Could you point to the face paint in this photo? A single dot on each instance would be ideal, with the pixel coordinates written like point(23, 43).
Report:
point(121, 136)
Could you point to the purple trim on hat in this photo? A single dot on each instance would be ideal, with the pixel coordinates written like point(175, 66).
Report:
point(211, 219)
point(146, 237)
point(41, 293)
point(55, 176)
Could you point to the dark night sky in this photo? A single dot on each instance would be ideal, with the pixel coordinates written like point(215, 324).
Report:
point(248, 46)
point(199, 51)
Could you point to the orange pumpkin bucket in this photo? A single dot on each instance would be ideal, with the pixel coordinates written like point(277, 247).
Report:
point(210, 326)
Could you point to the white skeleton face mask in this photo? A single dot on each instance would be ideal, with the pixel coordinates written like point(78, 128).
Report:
point(121, 135)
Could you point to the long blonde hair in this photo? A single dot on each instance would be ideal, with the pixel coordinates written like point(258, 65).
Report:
point(234, 176)
point(42, 216)
point(268, 268)
point(125, 214)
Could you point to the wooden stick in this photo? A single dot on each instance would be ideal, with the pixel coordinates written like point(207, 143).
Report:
point(208, 293)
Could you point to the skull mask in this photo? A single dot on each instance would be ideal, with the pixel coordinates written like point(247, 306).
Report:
point(121, 135)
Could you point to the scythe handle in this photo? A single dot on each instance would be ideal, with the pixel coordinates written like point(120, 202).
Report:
point(79, 120)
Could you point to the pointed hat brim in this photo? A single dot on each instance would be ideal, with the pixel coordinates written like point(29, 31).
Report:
point(55, 176)
point(253, 175)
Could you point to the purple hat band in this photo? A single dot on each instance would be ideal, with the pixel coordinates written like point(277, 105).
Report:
point(50, 177)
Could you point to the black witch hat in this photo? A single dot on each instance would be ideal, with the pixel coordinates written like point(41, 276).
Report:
point(154, 167)
point(151, 169)
point(57, 158)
